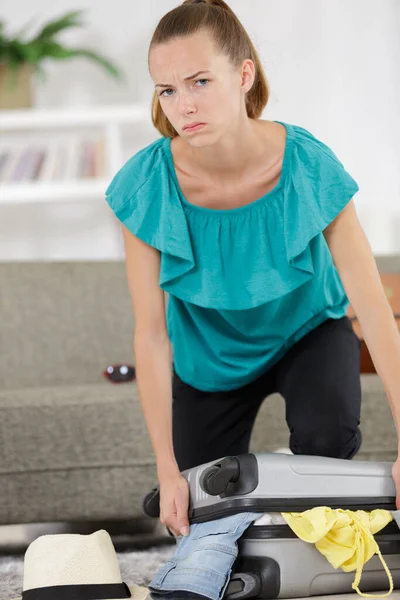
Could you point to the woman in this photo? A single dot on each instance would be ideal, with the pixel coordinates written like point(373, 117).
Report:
point(250, 227)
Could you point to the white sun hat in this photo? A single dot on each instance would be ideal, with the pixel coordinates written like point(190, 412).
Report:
point(72, 566)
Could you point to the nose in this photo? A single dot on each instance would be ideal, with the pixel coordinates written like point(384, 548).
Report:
point(186, 104)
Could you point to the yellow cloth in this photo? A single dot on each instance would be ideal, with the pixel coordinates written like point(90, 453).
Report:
point(344, 537)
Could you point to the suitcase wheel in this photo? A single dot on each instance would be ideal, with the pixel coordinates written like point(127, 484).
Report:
point(151, 503)
point(255, 577)
point(215, 480)
point(243, 585)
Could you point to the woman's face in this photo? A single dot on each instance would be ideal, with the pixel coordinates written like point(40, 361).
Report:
point(195, 84)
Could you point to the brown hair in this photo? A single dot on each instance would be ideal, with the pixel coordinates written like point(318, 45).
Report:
point(231, 38)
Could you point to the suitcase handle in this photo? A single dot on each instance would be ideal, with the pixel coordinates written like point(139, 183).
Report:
point(251, 586)
point(215, 480)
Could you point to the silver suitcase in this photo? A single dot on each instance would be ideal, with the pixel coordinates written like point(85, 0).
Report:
point(272, 562)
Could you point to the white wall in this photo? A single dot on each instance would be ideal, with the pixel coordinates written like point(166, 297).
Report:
point(333, 68)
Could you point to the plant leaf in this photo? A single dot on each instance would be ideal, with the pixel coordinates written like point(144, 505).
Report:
point(23, 52)
point(101, 60)
point(64, 53)
point(50, 49)
point(70, 19)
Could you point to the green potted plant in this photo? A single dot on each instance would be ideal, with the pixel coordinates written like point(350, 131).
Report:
point(21, 58)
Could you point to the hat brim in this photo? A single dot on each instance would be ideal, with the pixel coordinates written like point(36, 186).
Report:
point(138, 593)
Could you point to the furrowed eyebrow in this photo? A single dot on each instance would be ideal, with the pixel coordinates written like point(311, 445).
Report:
point(186, 79)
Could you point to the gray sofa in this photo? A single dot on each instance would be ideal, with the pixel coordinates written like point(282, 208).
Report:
point(73, 446)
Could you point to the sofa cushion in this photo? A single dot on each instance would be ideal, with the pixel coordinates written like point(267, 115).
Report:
point(72, 453)
point(72, 427)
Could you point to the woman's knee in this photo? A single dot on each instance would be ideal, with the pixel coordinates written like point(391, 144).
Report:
point(331, 442)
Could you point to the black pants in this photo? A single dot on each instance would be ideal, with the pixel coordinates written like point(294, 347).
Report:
point(319, 378)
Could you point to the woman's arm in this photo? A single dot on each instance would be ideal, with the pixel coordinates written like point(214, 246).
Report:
point(356, 265)
point(152, 348)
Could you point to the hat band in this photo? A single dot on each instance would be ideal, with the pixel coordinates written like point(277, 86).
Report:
point(79, 592)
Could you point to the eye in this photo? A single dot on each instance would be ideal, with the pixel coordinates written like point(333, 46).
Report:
point(199, 80)
point(168, 95)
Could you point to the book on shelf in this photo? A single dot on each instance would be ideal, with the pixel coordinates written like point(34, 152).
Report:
point(71, 159)
point(49, 166)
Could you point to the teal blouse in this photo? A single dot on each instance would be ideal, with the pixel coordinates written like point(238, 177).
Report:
point(244, 284)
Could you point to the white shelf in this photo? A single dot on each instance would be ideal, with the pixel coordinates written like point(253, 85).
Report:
point(110, 121)
point(41, 118)
point(16, 193)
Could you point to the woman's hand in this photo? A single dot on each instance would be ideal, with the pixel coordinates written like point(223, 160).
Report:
point(174, 503)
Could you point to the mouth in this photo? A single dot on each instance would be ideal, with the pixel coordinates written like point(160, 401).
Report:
point(193, 127)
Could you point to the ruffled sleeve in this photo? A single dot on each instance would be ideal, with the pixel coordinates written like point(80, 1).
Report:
point(143, 198)
point(317, 190)
point(239, 258)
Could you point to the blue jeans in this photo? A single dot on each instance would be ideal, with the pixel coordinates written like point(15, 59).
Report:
point(202, 564)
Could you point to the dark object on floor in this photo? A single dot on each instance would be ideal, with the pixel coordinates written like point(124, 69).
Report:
point(120, 373)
